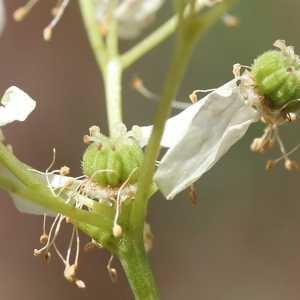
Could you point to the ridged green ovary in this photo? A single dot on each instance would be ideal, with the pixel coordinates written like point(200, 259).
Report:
point(94, 163)
point(113, 163)
point(277, 78)
point(132, 158)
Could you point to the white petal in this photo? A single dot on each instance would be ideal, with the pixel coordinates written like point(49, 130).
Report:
point(16, 106)
point(28, 207)
point(199, 136)
point(132, 16)
point(2, 16)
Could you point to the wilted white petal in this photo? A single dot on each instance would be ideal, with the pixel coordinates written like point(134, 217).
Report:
point(16, 106)
point(28, 207)
point(2, 16)
point(199, 136)
point(132, 15)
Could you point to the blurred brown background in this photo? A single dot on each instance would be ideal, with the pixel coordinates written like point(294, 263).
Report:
point(241, 241)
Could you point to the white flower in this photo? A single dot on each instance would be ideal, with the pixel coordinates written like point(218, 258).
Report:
point(16, 106)
point(199, 136)
point(132, 15)
point(2, 16)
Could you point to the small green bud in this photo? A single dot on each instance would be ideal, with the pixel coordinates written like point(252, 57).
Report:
point(113, 161)
point(277, 76)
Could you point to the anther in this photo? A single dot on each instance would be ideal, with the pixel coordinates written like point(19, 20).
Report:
point(23, 11)
point(36, 252)
point(117, 231)
point(47, 33)
point(44, 239)
point(80, 284)
point(256, 145)
point(95, 131)
point(270, 164)
point(64, 171)
point(193, 97)
point(112, 272)
point(70, 272)
point(291, 165)
point(87, 139)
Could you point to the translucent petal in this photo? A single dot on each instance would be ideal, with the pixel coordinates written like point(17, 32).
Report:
point(132, 16)
point(199, 136)
point(16, 106)
point(28, 207)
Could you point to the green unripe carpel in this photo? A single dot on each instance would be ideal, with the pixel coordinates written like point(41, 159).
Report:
point(113, 162)
point(277, 78)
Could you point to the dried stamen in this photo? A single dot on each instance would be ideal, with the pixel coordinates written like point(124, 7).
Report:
point(23, 11)
point(59, 13)
point(112, 272)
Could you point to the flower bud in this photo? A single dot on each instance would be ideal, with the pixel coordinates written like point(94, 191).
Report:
point(113, 162)
point(277, 77)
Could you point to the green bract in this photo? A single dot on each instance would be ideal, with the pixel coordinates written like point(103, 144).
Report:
point(277, 76)
point(113, 161)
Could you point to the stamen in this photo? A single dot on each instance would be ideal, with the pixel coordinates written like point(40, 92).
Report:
point(59, 13)
point(112, 272)
point(47, 172)
point(139, 86)
point(117, 229)
point(23, 11)
point(64, 171)
point(193, 96)
point(44, 236)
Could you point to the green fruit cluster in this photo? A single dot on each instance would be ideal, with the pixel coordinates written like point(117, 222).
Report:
point(110, 163)
point(277, 77)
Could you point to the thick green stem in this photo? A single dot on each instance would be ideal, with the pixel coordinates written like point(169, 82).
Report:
point(137, 269)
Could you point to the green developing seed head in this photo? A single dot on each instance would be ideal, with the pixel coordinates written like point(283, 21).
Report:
point(111, 162)
point(277, 76)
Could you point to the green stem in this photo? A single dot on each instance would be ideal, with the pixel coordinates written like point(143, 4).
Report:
point(88, 11)
point(41, 195)
point(160, 35)
point(107, 58)
point(195, 29)
point(112, 80)
point(150, 42)
point(137, 269)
